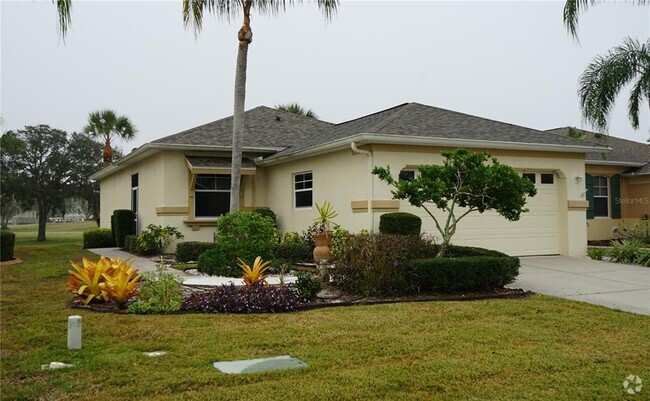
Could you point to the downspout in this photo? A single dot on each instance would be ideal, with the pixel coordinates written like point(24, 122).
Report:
point(356, 150)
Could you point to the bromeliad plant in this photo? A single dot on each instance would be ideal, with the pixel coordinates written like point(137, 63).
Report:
point(105, 280)
point(254, 276)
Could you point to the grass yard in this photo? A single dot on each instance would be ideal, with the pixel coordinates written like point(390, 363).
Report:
point(540, 348)
point(53, 230)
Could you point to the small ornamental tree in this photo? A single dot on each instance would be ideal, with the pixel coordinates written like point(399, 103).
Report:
point(467, 182)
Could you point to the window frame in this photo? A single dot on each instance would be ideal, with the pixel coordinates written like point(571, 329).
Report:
point(215, 190)
point(597, 181)
point(410, 170)
point(294, 181)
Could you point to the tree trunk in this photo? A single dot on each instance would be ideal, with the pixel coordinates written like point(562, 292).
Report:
point(245, 36)
point(107, 153)
point(43, 211)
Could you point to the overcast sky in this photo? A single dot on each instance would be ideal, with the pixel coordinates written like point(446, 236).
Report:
point(508, 61)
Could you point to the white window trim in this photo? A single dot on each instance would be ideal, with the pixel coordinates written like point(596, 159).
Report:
point(293, 186)
point(608, 185)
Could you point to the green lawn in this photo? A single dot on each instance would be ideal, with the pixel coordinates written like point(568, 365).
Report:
point(52, 230)
point(540, 348)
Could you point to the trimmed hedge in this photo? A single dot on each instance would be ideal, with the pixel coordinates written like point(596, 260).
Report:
point(124, 225)
point(7, 242)
point(215, 263)
point(295, 252)
point(191, 250)
point(400, 224)
point(98, 238)
point(132, 244)
point(463, 273)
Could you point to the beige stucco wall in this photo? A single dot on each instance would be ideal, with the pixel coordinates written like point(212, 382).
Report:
point(338, 178)
point(635, 201)
point(343, 177)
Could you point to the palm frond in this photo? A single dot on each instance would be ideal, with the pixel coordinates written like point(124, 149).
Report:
point(64, 8)
point(604, 77)
point(195, 10)
point(296, 108)
point(573, 9)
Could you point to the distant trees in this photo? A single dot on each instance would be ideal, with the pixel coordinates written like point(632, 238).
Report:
point(44, 167)
point(296, 108)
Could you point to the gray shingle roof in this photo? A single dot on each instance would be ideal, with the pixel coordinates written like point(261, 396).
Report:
point(267, 127)
point(623, 150)
point(264, 127)
point(645, 170)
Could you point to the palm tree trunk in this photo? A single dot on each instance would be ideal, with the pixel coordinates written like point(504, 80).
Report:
point(245, 36)
point(107, 153)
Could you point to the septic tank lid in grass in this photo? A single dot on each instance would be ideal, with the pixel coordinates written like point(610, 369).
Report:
point(284, 362)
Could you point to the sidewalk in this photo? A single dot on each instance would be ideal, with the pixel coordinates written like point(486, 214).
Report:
point(144, 264)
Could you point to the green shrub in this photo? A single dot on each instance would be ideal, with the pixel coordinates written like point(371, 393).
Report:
point(7, 242)
point(124, 225)
point(339, 242)
point(307, 285)
point(191, 250)
point(639, 230)
point(241, 234)
point(625, 251)
point(463, 273)
point(98, 238)
point(400, 224)
point(643, 258)
point(597, 253)
point(155, 239)
point(160, 292)
point(376, 264)
point(131, 244)
point(215, 263)
point(293, 249)
point(269, 214)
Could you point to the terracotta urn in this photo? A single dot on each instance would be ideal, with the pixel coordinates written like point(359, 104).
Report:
point(322, 250)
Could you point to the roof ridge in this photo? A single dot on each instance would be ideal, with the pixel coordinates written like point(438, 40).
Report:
point(372, 114)
point(378, 127)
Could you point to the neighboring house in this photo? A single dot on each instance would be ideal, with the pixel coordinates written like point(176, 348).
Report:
point(292, 162)
point(617, 182)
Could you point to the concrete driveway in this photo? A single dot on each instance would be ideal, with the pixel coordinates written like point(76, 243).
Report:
point(614, 285)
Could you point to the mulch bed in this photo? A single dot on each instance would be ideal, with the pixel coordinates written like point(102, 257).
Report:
point(331, 297)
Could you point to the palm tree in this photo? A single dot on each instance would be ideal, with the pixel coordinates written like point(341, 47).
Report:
point(573, 8)
point(604, 77)
point(296, 108)
point(193, 11)
point(107, 126)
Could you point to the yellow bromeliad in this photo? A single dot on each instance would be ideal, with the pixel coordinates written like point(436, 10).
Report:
point(104, 280)
point(255, 275)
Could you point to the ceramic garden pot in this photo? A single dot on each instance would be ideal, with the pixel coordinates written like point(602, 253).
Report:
point(322, 249)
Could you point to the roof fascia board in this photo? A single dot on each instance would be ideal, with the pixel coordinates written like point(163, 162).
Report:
point(145, 149)
point(364, 139)
point(614, 163)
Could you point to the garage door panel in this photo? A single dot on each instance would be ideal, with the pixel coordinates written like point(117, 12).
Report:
point(536, 232)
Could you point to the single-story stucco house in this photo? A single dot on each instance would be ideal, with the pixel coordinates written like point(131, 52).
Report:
point(292, 162)
point(617, 183)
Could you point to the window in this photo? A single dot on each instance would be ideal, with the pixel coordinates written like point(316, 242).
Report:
point(547, 178)
point(134, 198)
point(530, 176)
point(211, 195)
point(303, 185)
point(601, 197)
point(407, 175)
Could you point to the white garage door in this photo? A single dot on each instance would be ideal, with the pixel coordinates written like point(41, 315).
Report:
point(536, 232)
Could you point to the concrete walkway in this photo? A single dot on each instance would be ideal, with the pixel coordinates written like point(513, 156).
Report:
point(146, 264)
point(615, 285)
